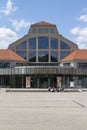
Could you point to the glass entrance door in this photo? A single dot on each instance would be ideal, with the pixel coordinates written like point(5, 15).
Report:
point(43, 82)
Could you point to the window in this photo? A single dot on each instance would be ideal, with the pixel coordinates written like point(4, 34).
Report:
point(19, 64)
point(52, 30)
point(64, 54)
point(34, 30)
point(32, 43)
point(21, 46)
point(82, 65)
point(4, 64)
point(54, 56)
point(43, 30)
point(43, 56)
point(54, 43)
point(67, 64)
point(32, 56)
point(43, 43)
point(64, 45)
point(22, 54)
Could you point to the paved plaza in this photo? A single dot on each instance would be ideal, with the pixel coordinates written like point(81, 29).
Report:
point(43, 110)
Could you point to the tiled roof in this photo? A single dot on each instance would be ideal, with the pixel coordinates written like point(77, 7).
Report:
point(42, 23)
point(76, 55)
point(10, 55)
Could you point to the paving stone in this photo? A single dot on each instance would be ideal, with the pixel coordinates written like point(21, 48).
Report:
point(43, 110)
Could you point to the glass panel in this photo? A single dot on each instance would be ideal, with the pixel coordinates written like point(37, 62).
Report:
point(43, 43)
point(43, 82)
point(43, 30)
point(52, 30)
point(54, 43)
point(64, 54)
point(82, 65)
point(43, 56)
point(4, 64)
point(54, 56)
point(21, 45)
point(67, 64)
point(64, 45)
point(34, 30)
point(19, 64)
point(32, 43)
point(33, 82)
point(22, 54)
point(32, 56)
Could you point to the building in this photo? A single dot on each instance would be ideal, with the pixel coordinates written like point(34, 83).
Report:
point(43, 58)
point(43, 45)
point(77, 60)
point(43, 48)
point(8, 60)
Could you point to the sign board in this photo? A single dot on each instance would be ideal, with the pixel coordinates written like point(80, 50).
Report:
point(59, 82)
point(72, 84)
point(27, 82)
point(44, 71)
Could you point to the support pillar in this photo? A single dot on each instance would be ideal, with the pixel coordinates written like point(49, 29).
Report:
point(22, 81)
point(38, 83)
point(49, 82)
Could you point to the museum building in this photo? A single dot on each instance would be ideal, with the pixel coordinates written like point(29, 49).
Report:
point(43, 46)
point(43, 50)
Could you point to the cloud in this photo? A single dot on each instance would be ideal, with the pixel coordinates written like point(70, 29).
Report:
point(80, 32)
point(7, 36)
point(19, 24)
point(75, 30)
point(80, 36)
point(83, 18)
point(9, 8)
point(84, 10)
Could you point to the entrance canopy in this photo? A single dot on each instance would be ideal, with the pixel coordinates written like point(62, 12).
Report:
point(24, 70)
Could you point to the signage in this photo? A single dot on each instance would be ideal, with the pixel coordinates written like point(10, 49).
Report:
point(27, 82)
point(71, 84)
point(44, 70)
point(58, 82)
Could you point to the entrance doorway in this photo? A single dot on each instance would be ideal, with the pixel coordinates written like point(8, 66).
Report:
point(53, 82)
point(43, 81)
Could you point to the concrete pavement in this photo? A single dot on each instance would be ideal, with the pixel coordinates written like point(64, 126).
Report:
point(43, 110)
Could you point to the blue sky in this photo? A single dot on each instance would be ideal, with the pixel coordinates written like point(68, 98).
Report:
point(70, 17)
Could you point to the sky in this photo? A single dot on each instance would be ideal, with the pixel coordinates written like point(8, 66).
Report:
point(70, 17)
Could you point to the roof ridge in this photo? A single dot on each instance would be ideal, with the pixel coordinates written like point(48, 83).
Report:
point(42, 23)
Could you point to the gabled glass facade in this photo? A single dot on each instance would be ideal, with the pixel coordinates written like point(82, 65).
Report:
point(43, 48)
point(44, 44)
